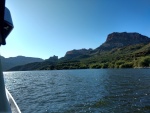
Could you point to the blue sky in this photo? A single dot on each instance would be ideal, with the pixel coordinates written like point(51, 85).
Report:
point(43, 28)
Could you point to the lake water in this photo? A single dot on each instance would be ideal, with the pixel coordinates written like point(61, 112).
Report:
point(79, 91)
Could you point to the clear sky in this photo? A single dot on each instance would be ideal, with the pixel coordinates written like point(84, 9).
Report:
point(43, 28)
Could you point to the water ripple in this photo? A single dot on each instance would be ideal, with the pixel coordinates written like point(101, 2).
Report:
point(79, 91)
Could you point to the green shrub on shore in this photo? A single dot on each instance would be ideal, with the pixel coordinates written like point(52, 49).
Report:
point(96, 66)
point(126, 65)
point(144, 62)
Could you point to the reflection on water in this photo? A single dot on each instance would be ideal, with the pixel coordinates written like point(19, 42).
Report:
point(74, 91)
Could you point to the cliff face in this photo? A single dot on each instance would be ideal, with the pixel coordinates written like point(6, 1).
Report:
point(117, 40)
point(74, 53)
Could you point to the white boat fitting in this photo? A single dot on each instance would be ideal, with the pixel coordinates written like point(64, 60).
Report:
point(13, 105)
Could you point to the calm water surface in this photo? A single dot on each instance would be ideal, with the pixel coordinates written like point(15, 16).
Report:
point(79, 91)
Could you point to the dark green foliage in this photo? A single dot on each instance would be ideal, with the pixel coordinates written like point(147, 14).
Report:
point(126, 65)
point(144, 62)
point(119, 62)
point(105, 65)
point(96, 66)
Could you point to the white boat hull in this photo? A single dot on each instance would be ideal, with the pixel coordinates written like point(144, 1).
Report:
point(13, 105)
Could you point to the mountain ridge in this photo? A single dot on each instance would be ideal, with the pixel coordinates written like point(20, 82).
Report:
point(10, 62)
point(124, 48)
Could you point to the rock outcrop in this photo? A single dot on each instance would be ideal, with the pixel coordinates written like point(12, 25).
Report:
point(117, 40)
point(75, 53)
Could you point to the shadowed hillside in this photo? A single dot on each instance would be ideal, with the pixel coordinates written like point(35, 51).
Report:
point(8, 63)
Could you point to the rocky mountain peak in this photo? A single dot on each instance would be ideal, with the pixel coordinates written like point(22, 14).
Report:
point(117, 40)
point(127, 37)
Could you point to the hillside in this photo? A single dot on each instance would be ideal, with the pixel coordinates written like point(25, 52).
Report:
point(8, 63)
point(120, 50)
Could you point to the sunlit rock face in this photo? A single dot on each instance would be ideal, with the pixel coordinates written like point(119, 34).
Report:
point(117, 40)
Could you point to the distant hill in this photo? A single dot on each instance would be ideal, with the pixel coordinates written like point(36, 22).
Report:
point(120, 50)
point(10, 62)
point(37, 65)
